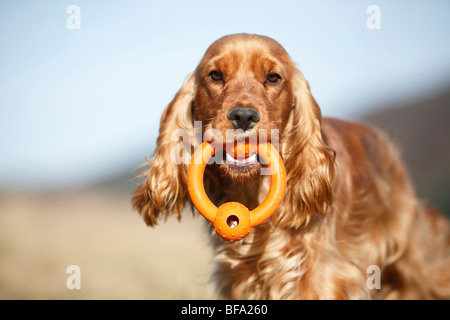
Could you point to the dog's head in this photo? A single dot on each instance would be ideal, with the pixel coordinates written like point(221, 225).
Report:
point(245, 87)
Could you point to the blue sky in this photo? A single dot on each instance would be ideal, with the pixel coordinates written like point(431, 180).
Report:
point(79, 105)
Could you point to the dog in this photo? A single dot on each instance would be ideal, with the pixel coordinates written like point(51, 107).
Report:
point(349, 207)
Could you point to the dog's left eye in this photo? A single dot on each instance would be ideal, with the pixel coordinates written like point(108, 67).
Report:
point(273, 78)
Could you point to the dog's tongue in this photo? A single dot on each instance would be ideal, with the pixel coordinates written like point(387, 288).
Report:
point(243, 150)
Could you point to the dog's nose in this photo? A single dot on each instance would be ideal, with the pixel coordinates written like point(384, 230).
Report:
point(243, 118)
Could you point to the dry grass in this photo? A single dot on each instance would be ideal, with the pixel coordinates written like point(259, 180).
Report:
point(119, 257)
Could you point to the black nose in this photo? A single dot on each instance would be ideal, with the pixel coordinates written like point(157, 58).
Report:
point(243, 117)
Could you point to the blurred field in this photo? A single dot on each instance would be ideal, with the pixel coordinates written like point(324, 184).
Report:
point(120, 258)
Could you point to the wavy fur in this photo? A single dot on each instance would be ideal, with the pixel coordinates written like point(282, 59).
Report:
point(349, 202)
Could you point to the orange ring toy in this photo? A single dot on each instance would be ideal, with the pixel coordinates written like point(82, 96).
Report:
point(232, 220)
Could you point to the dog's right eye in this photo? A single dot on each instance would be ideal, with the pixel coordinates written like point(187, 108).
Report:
point(216, 75)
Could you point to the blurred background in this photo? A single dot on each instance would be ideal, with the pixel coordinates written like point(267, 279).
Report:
point(82, 92)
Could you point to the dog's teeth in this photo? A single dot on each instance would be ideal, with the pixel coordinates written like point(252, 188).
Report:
point(253, 159)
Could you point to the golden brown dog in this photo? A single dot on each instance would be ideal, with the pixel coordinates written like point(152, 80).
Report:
point(349, 203)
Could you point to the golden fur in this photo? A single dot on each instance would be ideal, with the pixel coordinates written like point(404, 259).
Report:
point(349, 202)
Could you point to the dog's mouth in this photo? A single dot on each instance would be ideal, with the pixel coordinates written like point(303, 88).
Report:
point(240, 166)
point(233, 160)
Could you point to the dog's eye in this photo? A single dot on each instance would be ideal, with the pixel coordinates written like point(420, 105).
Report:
point(273, 78)
point(216, 75)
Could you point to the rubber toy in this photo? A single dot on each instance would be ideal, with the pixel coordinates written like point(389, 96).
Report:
point(232, 220)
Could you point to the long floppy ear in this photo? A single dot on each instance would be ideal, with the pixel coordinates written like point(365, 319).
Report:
point(309, 162)
point(164, 190)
